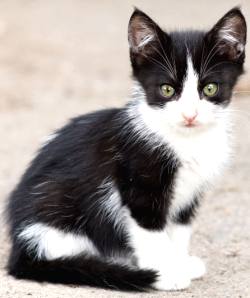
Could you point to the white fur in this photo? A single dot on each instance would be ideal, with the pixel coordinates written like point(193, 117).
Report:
point(180, 237)
point(148, 38)
point(189, 97)
point(111, 206)
point(166, 252)
point(196, 267)
point(51, 243)
point(228, 34)
point(149, 246)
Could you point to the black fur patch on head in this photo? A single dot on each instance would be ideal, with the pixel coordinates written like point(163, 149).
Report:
point(160, 58)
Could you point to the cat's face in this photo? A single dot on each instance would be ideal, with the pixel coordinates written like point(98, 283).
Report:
point(185, 79)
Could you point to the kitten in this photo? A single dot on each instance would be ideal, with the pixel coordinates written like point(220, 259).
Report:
point(110, 199)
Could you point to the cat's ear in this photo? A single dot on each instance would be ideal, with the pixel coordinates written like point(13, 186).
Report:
point(229, 35)
point(142, 33)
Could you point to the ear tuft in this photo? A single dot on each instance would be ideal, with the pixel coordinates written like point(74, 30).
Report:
point(141, 31)
point(230, 34)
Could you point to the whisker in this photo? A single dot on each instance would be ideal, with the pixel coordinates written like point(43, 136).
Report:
point(211, 72)
point(208, 61)
point(202, 57)
point(210, 55)
point(164, 53)
point(156, 62)
point(166, 57)
point(217, 64)
point(170, 70)
point(245, 91)
point(173, 59)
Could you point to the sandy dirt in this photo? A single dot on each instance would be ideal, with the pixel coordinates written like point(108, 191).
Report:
point(59, 59)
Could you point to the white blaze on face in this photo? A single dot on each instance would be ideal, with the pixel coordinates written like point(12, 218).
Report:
point(190, 108)
point(189, 100)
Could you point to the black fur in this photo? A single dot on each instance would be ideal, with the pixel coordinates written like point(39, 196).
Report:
point(61, 188)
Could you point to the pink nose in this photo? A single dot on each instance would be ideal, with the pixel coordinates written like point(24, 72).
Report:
point(189, 119)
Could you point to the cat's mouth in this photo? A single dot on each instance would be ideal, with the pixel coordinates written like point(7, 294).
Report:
point(194, 127)
point(190, 125)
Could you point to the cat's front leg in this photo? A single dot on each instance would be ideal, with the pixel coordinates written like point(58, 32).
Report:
point(180, 237)
point(154, 250)
point(173, 275)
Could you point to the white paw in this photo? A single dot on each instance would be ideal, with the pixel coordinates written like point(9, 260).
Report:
point(196, 267)
point(167, 282)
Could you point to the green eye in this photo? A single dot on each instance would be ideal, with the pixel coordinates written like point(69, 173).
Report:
point(210, 89)
point(167, 90)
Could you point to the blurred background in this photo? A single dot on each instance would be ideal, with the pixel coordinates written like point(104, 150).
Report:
point(62, 58)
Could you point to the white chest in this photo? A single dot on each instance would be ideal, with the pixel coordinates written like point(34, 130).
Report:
point(202, 160)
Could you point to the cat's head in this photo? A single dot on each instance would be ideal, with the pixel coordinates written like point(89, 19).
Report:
point(184, 80)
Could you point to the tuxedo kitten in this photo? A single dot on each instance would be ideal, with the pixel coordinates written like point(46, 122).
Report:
point(110, 199)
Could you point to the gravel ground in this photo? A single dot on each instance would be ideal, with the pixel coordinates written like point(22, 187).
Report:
point(59, 59)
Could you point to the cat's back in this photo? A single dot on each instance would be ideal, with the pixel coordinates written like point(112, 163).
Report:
point(74, 143)
point(69, 167)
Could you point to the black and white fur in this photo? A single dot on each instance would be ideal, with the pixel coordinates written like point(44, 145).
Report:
point(109, 200)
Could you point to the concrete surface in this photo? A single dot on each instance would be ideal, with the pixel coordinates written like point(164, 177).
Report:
point(59, 59)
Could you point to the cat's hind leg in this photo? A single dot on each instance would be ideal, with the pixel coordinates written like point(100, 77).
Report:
point(47, 254)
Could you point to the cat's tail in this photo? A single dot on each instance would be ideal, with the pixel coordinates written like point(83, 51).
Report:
point(83, 271)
